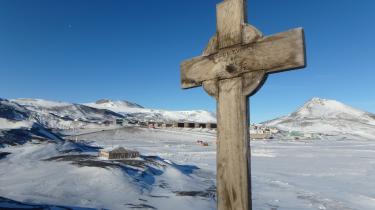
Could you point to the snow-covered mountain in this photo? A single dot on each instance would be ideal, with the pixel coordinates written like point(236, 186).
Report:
point(17, 125)
point(20, 119)
point(318, 117)
point(135, 111)
point(327, 117)
point(13, 116)
point(62, 115)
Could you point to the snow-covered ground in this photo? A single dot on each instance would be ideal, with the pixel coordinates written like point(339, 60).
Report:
point(337, 175)
point(287, 175)
point(332, 167)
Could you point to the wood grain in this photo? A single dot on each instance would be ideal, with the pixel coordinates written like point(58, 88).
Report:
point(253, 81)
point(233, 154)
point(211, 88)
point(234, 66)
point(230, 17)
point(283, 51)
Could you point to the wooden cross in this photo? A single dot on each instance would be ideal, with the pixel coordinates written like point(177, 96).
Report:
point(233, 67)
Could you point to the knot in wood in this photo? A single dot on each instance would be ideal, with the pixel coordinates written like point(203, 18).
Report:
point(231, 68)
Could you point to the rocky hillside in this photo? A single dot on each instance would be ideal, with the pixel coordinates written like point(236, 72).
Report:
point(17, 125)
point(61, 115)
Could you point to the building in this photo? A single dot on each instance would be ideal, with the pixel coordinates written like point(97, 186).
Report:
point(262, 132)
point(211, 125)
point(189, 125)
point(200, 125)
point(108, 122)
point(153, 124)
point(260, 136)
point(178, 125)
point(120, 121)
point(159, 124)
point(167, 125)
point(118, 153)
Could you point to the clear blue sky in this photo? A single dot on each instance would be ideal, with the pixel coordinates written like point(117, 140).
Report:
point(84, 50)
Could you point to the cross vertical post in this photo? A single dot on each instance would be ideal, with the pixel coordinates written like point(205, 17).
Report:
point(231, 16)
point(233, 154)
point(234, 66)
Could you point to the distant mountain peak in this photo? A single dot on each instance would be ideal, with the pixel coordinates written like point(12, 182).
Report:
point(328, 117)
point(322, 102)
point(318, 100)
point(103, 101)
point(109, 102)
point(319, 107)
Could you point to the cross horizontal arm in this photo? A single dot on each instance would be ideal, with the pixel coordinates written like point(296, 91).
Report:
point(280, 52)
